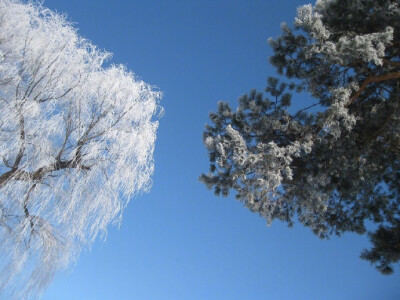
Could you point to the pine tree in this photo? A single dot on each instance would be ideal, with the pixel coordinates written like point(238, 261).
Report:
point(335, 164)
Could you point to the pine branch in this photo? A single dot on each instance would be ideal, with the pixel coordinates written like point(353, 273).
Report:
point(373, 79)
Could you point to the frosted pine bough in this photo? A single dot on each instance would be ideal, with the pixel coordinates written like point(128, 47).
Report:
point(76, 143)
point(337, 166)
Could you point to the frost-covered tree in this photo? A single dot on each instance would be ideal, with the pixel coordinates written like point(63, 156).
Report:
point(76, 143)
point(335, 164)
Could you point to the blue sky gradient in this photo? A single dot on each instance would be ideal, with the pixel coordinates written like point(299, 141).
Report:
point(180, 241)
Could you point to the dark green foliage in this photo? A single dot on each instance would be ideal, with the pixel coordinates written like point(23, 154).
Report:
point(386, 248)
point(336, 168)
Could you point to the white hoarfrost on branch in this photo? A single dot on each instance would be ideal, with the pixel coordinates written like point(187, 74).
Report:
point(368, 47)
point(333, 167)
point(76, 143)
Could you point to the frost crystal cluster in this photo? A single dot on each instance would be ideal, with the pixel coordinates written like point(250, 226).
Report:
point(334, 164)
point(76, 143)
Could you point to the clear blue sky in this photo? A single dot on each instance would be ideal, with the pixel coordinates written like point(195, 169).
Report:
point(180, 241)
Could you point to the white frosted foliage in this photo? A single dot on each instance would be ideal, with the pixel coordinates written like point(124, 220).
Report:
point(76, 143)
point(369, 48)
point(333, 164)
